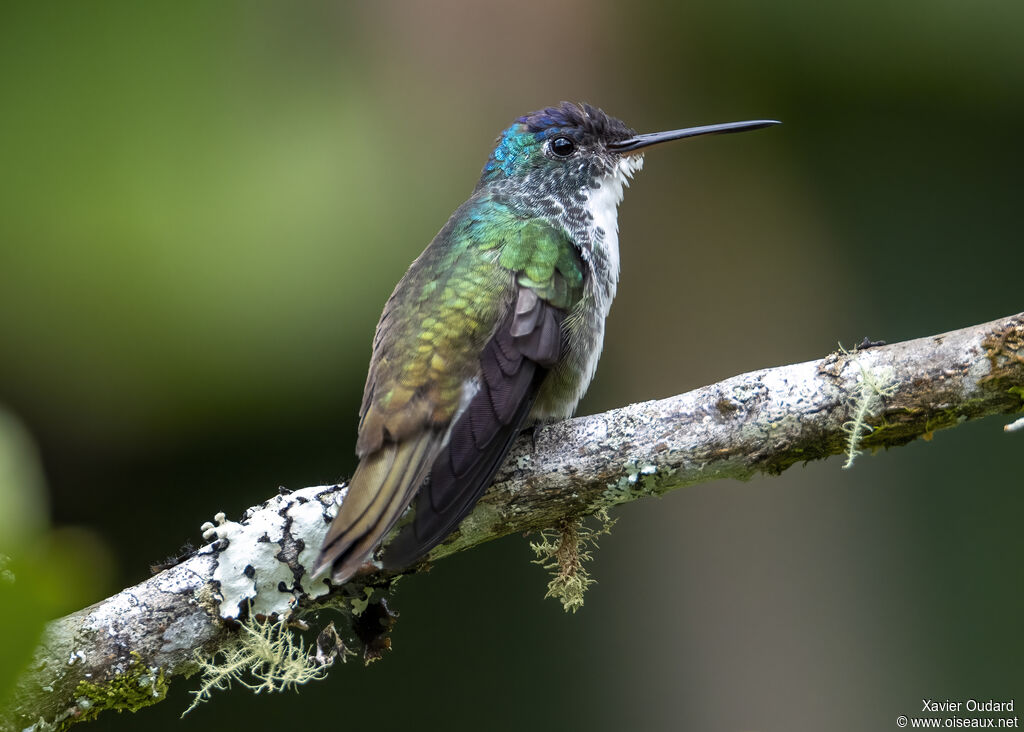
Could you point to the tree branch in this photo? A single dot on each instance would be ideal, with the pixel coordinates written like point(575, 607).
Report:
point(123, 649)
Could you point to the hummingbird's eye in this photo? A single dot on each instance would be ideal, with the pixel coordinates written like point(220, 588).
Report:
point(563, 147)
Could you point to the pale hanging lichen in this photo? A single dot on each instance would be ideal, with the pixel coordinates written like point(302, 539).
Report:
point(265, 655)
point(866, 402)
point(563, 551)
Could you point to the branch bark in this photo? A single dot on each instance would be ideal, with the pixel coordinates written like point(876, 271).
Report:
point(126, 646)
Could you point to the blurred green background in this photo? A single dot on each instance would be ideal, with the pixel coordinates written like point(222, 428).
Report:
point(204, 206)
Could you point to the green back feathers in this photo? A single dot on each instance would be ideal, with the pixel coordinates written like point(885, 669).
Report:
point(446, 309)
point(545, 261)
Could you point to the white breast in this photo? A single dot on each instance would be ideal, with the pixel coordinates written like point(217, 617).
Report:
point(603, 204)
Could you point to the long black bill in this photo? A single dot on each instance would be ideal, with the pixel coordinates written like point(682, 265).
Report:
point(637, 142)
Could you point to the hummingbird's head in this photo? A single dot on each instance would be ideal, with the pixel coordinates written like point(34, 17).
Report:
point(575, 153)
point(560, 152)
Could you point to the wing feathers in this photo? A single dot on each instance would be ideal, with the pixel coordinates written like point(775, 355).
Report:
point(543, 344)
point(528, 309)
point(512, 368)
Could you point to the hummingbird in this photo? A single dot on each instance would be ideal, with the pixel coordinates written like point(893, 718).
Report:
point(496, 326)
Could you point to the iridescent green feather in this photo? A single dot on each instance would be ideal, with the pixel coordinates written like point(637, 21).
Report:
point(447, 307)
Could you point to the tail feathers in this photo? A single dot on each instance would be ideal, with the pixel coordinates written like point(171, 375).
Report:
point(381, 489)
